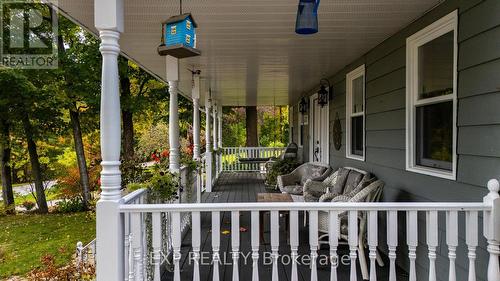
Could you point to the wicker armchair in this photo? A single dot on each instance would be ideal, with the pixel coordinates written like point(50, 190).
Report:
point(293, 183)
point(364, 192)
point(343, 181)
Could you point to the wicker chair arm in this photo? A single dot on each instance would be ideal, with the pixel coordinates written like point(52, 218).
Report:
point(327, 197)
point(286, 180)
point(315, 187)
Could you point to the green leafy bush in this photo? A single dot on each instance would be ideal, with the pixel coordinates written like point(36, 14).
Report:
point(71, 205)
point(280, 167)
point(161, 184)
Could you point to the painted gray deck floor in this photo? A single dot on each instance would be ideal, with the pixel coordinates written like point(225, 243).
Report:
point(243, 187)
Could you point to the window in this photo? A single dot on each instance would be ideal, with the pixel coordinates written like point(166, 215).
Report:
point(431, 75)
point(355, 114)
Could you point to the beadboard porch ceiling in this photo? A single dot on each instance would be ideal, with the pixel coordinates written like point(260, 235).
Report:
point(250, 52)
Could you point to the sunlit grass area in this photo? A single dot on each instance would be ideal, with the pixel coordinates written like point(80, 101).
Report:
point(25, 238)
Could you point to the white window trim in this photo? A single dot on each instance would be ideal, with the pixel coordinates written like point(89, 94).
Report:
point(440, 27)
point(356, 73)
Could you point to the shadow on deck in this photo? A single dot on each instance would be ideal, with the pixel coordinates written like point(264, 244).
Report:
point(243, 187)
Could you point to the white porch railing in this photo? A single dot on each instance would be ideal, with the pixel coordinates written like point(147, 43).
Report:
point(85, 254)
point(247, 159)
point(136, 213)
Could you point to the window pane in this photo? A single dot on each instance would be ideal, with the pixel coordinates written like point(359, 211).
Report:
point(357, 135)
point(434, 132)
point(435, 67)
point(357, 94)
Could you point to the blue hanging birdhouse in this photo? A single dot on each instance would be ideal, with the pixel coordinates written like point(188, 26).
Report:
point(307, 17)
point(179, 37)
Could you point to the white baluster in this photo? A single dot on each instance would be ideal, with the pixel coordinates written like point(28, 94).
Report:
point(196, 240)
point(373, 242)
point(392, 242)
point(255, 245)
point(131, 263)
point(313, 243)
point(137, 246)
point(275, 241)
point(412, 241)
point(126, 244)
point(333, 239)
point(353, 242)
point(471, 239)
point(215, 244)
point(452, 242)
point(144, 242)
point(294, 242)
point(432, 242)
point(235, 242)
point(176, 244)
point(156, 217)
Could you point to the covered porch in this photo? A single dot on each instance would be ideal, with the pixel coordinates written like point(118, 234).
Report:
point(243, 187)
point(437, 222)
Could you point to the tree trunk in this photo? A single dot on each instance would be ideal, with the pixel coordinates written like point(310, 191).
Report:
point(35, 166)
point(128, 135)
point(7, 192)
point(127, 115)
point(80, 156)
point(251, 126)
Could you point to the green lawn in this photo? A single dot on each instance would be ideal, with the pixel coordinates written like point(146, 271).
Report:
point(49, 196)
point(26, 238)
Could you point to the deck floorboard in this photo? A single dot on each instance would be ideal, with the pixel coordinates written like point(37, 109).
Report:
point(243, 187)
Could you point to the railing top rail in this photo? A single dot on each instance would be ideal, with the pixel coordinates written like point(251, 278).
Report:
point(133, 195)
point(252, 147)
point(299, 206)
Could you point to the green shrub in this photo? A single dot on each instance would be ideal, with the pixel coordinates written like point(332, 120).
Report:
point(161, 184)
point(280, 167)
point(71, 205)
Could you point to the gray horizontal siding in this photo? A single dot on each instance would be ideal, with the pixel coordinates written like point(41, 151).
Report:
point(469, 115)
point(478, 123)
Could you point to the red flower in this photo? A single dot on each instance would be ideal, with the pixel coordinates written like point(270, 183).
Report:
point(155, 157)
point(165, 153)
point(189, 149)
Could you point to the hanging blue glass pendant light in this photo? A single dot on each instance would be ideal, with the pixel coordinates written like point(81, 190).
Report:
point(307, 17)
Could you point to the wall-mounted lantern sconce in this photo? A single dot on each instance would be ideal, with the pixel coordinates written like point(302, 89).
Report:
point(303, 106)
point(324, 92)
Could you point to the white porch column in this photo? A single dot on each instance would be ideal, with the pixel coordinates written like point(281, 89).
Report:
point(214, 116)
point(215, 134)
point(208, 145)
point(219, 117)
point(196, 117)
point(173, 119)
point(109, 222)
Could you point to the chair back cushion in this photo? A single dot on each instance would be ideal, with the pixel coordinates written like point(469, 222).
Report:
point(311, 171)
point(353, 179)
point(330, 182)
